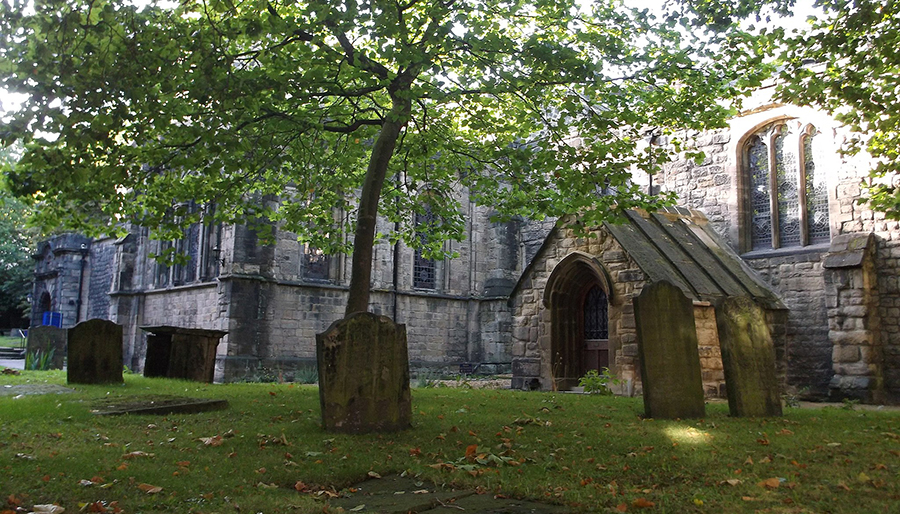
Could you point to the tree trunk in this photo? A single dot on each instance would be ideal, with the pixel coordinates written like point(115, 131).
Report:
point(364, 238)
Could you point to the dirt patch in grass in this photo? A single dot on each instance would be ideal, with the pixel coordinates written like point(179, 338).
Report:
point(155, 404)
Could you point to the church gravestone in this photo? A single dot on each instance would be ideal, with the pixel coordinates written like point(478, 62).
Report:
point(48, 341)
point(364, 375)
point(668, 353)
point(95, 353)
point(748, 356)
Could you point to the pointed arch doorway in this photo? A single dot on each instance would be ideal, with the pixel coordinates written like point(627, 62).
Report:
point(578, 298)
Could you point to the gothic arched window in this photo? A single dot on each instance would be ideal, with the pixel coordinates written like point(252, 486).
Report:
point(788, 197)
point(596, 314)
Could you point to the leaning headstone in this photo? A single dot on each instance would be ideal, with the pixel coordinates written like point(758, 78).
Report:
point(668, 352)
point(185, 353)
point(364, 375)
point(49, 342)
point(95, 353)
point(748, 356)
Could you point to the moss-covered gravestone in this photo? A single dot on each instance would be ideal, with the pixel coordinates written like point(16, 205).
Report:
point(748, 356)
point(364, 375)
point(668, 352)
point(48, 343)
point(95, 353)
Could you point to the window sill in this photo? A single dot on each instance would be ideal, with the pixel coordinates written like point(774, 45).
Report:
point(784, 252)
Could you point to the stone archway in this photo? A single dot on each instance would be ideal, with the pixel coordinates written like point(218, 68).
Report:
point(577, 282)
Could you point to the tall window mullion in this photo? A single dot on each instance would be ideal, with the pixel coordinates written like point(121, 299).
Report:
point(788, 190)
point(817, 222)
point(424, 269)
point(761, 216)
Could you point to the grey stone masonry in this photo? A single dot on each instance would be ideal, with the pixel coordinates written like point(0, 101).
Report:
point(853, 318)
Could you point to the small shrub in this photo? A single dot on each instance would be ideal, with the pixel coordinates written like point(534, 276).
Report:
point(792, 399)
point(428, 378)
point(850, 404)
point(596, 382)
point(39, 360)
point(307, 375)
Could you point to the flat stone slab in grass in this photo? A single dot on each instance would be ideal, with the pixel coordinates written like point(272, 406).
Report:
point(28, 389)
point(402, 495)
point(156, 404)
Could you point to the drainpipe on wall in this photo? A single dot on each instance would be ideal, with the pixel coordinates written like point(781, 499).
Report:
point(84, 254)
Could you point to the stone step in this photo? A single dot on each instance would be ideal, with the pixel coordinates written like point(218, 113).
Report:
point(12, 353)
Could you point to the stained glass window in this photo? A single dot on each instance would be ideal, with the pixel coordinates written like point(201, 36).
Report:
point(424, 270)
point(786, 178)
point(774, 159)
point(316, 264)
point(596, 314)
point(816, 195)
point(761, 218)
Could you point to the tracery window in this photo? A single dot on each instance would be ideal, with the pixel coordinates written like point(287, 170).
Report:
point(788, 196)
point(197, 254)
point(596, 314)
point(424, 269)
point(316, 265)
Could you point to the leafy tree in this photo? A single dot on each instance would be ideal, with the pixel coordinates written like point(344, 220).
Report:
point(390, 106)
point(16, 245)
point(849, 64)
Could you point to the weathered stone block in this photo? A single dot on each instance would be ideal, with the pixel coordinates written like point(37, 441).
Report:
point(748, 357)
point(667, 347)
point(364, 375)
point(845, 354)
point(526, 367)
point(95, 353)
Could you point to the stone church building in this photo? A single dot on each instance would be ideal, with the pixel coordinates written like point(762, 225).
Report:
point(774, 212)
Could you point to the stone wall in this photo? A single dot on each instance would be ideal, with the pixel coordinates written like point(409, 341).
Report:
point(712, 372)
point(531, 339)
point(102, 259)
point(806, 354)
point(717, 187)
point(532, 332)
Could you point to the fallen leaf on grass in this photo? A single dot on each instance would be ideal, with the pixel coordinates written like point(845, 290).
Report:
point(262, 485)
point(733, 482)
point(150, 489)
point(622, 507)
point(138, 454)
point(642, 503)
point(770, 483)
point(373, 474)
point(47, 509)
point(211, 441)
point(358, 508)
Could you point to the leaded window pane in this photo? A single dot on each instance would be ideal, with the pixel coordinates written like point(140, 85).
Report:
point(761, 217)
point(596, 314)
point(788, 195)
point(315, 264)
point(424, 270)
point(818, 224)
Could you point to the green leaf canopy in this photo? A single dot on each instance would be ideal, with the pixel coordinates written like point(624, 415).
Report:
point(537, 108)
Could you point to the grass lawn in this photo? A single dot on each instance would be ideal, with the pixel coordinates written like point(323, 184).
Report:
point(592, 453)
point(11, 341)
